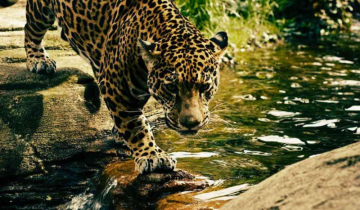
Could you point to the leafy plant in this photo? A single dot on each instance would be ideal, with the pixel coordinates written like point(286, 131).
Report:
point(197, 11)
point(241, 19)
point(316, 17)
point(249, 20)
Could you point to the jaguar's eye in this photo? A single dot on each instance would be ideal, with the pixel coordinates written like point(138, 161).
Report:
point(171, 88)
point(204, 87)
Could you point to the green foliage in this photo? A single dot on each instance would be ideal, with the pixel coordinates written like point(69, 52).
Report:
point(315, 17)
point(197, 11)
point(248, 20)
point(243, 20)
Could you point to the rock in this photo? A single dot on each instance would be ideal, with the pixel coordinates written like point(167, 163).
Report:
point(122, 188)
point(204, 200)
point(55, 131)
point(46, 125)
point(13, 18)
point(55, 117)
point(327, 181)
point(136, 191)
point(15, 39)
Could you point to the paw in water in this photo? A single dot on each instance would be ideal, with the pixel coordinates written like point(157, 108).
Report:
point(41, 65)
point(154, 161)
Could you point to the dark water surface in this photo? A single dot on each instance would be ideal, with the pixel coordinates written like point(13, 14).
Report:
point(274, 108)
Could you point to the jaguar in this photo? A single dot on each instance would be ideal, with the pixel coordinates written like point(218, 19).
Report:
point(137, 49)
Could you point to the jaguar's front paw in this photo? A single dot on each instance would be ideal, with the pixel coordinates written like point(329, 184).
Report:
point(41, 65)
point(154, 161)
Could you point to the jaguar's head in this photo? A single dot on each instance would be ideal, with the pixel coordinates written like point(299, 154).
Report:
point(184, 76)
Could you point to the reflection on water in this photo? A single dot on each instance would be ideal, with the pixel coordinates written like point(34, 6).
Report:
point(193, 155)
point(276, 107)
point(353, 108)
point(224, 194)
point(281, 139)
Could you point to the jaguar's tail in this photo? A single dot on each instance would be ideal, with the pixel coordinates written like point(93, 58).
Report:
point(7, 3)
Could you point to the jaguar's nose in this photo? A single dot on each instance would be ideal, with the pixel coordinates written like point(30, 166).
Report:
point(189, 121)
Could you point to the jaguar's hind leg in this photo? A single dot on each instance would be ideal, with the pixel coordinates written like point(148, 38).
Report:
point(40, 17)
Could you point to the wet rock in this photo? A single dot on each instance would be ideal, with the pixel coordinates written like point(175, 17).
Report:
point(45, 126)
point(56, 186)
point(327, 181)
point(124, 189)
point(210, 198)
point(134, 191)
point(187, 201)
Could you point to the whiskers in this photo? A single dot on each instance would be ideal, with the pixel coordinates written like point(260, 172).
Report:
point(131, 111)
point(136, 117)
point(215, 107)
point(215, 122)
point(218, 111)
point(206, 127)
point(197, 136)
point(143, 95)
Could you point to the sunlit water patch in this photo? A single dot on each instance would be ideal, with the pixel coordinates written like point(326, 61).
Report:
point(249, 152)
point(224, 194)
point(192, 155)
point(320, 123)
point(353, 108)
point(281, 139)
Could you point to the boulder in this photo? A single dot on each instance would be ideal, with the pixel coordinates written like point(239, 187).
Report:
point(328, 181)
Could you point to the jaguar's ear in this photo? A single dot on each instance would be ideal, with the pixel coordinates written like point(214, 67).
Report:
point(149, 52)
point(219, 43)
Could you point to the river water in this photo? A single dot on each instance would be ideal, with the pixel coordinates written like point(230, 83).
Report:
point(274, 107)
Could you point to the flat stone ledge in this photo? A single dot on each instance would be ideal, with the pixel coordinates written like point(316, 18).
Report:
point(13, 18)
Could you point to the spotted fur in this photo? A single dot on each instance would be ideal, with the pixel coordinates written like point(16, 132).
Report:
point(137, 48)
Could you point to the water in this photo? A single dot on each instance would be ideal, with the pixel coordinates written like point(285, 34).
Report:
point(274, 108)
point(88, 200)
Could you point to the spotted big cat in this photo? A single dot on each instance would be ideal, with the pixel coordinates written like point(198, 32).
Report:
point(137, 49)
